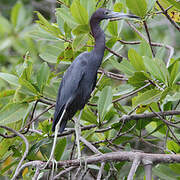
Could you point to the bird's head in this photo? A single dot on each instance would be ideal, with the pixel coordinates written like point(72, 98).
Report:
point(102, 13)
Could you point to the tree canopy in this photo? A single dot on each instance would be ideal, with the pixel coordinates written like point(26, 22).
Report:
point(130, 127)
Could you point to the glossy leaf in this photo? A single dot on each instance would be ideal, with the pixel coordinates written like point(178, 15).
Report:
point(60, 147)
point(42, 76)
point(113, 28)
point(138, 79)
point(81, 29)
point(79, 41)
point(6, 93)
point(105, 99)
point(11, 79)
point(29, 86)
point(174, 72)
point(174, 3)
point(79, 12)
point(12, 113)
point(15, 13)
point(124, 66)
point(88, 115)
point(157, 69)
point(172, 146)
point(136, 60)
point(65, 14)
point(138, 7)
point(147, 97)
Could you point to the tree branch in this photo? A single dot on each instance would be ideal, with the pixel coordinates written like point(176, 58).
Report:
point(25, 152)
point(168, 17)
point(134, 167)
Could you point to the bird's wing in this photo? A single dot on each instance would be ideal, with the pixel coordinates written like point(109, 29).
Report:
point(69, 85)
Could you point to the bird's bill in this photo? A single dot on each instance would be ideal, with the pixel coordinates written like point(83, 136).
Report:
point(117, 16)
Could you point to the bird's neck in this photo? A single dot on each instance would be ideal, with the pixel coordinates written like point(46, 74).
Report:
point(99, 37)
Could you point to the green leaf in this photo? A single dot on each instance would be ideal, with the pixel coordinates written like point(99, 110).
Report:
point(79, 12)
point(50, 53)
point(19, 16)
point(6, 93)
point(164, 71)
point(113, 28)
point(174, 72)
point(5, 26)
point(15, 13)
point(123, 89)
point(35, 148)
point(175, 3)
point(148, 97)
point(136, 60)
point(105, 99)
point(44, 24)
point(60, 147)
point(172, 146)
point(4, 146)
point(65, 14)
point(88, 115)
point(42, 76)
point(28, 85)
point(155, 69)
point(12, 113)
point(138, 7)
point(164, 172)
point(79, 41)
point(11, 79)
point(81, 29)
point(138, 79)
point(90, 6)
point(124, 66)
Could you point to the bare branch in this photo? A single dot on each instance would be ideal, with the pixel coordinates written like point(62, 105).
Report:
point(168, 17)
point(64, 172)
point(111, 51)
point(100, 171)
point(112, 156)
point(170, 48)
point(25, 152)
point(131, 93)
point(37, 172)
point(134, 167)
point(122, 156)
point(89, 145)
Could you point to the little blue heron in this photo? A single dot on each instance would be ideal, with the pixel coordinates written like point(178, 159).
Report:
point(80, 78)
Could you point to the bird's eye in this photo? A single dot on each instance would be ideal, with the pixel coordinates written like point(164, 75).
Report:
point(106, 12)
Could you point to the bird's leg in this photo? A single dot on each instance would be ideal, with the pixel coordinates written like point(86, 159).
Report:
point(78, 133)
point(54, 142)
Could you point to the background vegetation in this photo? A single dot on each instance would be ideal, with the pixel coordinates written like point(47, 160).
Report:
point(135, 105)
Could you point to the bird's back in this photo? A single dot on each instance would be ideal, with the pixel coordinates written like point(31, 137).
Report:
point(75, 88)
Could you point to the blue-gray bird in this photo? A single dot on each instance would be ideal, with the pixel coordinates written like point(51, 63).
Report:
point(80, 78)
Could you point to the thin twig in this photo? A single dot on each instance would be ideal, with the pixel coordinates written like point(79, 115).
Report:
point(171, 49)
point(64, 172)
point(149, 38)
point(89, 145)
point(168, 17)
point(113, 52)
point(131, 93)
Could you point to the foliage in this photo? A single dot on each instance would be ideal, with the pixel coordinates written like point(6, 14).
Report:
point(35, 54)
